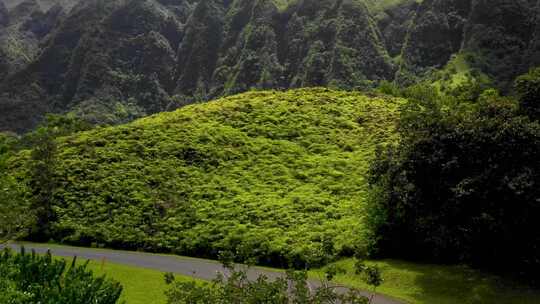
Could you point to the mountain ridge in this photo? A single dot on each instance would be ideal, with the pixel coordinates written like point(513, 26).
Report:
point(112, 61)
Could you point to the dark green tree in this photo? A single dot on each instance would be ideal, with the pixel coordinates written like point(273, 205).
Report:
point(43, 181)
point(42, 167)
point(15, 216)
point(528, 90)
point(461, 186)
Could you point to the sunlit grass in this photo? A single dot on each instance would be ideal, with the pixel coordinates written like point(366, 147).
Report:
point(428, 284)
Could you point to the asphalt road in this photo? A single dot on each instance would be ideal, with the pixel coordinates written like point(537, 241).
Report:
point(196, 268)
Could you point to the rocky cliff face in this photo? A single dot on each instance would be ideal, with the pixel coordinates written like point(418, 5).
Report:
point(21, 30)
point(534, 47)
point(500, 32)
point(112, 61)
point(436, 33)
point(4, 15)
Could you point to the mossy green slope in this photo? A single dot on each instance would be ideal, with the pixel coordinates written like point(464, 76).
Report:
point(277, 174)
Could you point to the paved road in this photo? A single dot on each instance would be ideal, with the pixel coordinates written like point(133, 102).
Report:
point(197, 268)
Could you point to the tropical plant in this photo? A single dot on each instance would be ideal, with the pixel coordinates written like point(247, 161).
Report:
point(31, 278)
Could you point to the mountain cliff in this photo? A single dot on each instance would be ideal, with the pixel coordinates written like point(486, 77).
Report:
point(112, 61)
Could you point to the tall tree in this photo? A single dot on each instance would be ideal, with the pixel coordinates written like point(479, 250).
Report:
point(528, 89)
point(15, 217)
point(43, 182)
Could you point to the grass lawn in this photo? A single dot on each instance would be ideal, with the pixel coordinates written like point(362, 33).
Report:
point(429, 284)
point(141, 285)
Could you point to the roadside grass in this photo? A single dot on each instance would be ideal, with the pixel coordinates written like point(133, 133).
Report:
point(141, 285)
point(428, 284)
point(413, 283)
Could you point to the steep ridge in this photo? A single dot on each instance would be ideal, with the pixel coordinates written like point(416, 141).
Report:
point(113, 61)
point(436, 34)
point(499, 32)
point(100, 58)
point(21, 30)
point(4, 14)
point(92, 64)
point(534, 47)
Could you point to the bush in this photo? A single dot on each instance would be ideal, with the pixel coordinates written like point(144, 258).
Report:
point(237, 288)
point(30, 278)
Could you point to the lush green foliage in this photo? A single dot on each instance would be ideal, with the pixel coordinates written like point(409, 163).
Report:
point(14, 216)
point(278, 176)
point(31, 213)
point(461, 186)
point(29, 278)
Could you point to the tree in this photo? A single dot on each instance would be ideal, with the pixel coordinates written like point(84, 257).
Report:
point(460, 186)
point(528, 90)
point(43, 181)
point(15, 216)
point(42, 166)
point(371, 276)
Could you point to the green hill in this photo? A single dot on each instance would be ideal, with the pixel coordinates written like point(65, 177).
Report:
point(277, 174)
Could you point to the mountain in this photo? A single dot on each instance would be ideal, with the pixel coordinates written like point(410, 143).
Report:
point(113, 61)
point(279, 175)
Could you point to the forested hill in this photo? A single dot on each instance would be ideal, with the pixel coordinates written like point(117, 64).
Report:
point(114, 60)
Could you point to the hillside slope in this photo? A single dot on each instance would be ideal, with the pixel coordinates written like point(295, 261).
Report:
point(277, 175)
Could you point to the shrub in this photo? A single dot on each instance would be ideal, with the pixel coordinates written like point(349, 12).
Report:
point(30, 278)
point(235, 287)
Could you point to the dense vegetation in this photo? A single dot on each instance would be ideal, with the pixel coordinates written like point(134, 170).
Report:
point(29, 278)
point(113, 61)
point(462, 183)
point(278, 176)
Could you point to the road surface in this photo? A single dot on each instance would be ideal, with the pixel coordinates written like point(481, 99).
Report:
point(196, 268)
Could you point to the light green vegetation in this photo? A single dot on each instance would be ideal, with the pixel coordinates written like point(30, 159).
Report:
point(428, 284)
point(456, 73)
point(283, 4)
point(275, 175)
point(377, 6)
